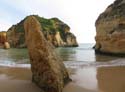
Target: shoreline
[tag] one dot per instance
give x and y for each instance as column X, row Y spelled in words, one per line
column 85, row 79
column 15, row 79
column 19, row 79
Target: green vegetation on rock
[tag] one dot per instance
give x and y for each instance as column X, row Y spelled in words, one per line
column 50, row 28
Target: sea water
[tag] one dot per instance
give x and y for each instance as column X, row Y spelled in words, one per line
column 84, row 55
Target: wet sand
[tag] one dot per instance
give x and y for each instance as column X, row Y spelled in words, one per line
column 87, row 79
column 16, row 80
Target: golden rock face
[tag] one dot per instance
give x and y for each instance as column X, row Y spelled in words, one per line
column 6, row 45
column 3, row 37
column 110, row 29
column 48, row 71
column 3, row 41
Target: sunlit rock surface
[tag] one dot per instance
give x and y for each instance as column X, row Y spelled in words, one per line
column 110, row 29
column 3, row 37
column 3, row 40
column 6, row 45
column 48, row 71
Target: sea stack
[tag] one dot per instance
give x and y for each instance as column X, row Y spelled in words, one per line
column 3, row 40
column 48, row 71
column 110, row 29
column 54, row 30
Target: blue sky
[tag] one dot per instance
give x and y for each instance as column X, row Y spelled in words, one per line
column 80, row 15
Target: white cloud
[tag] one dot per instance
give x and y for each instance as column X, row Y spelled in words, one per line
column 4, row 25
column 80, row 15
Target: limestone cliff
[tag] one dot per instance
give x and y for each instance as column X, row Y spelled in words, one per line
column 54, row 30
column 48, row 71
column 110, row 29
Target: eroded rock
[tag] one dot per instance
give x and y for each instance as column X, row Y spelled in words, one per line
column 6, row 45
column 48, row 71
column 110, row 29
column 54, row 30
column 3, row 37
column 3, row 40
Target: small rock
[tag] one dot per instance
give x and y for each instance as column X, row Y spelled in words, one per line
column 6, row 45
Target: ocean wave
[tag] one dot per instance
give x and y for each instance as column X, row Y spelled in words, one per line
column 16, row 65
column 75, row 64
column 82, row 64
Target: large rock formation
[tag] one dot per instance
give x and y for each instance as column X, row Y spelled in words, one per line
column 110, row 28
column 54, row 30
column 48, row 71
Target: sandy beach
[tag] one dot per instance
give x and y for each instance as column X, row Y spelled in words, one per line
column 87, row 79
column 16, row 80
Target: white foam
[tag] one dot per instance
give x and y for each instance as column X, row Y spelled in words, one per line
column 76, row 64
column 16, row 65
column 81, row 64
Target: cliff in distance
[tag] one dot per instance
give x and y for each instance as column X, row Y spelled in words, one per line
column 54, row 30
column 110, row 29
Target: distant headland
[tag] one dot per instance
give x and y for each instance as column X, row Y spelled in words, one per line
column 55, row 31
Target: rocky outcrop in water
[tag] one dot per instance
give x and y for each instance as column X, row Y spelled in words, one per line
column 6, row 45
column 48, row 71
column 3, row 40
column 3, row 37
column 110, row 29
column 54, row 30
